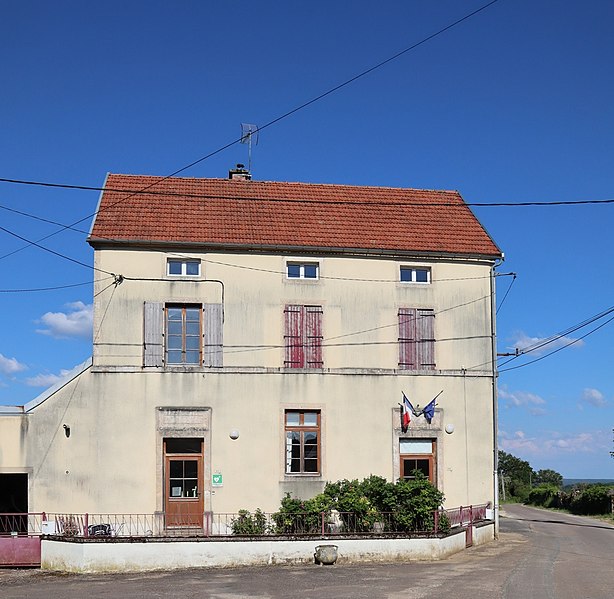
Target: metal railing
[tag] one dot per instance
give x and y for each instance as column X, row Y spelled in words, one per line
column 244, row 524
column 28, row 524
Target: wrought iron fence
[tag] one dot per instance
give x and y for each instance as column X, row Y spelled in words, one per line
column 248, row 524
column 29, row 524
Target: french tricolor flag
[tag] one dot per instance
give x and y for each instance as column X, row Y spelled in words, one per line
column 406, row 410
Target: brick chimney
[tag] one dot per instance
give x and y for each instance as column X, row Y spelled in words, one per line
column 240, row 173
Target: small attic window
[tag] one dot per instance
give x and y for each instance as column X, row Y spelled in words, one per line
column 183, row 268
column 415, row 274
column 302, row 270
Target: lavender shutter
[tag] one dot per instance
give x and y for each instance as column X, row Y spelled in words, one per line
column 293, row 337
column 425, row 346
column 213, row 350
column 313, row 337
column 407, row 338
column 153, row 340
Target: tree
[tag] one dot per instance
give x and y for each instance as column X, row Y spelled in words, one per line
column 548, row 477
column 516, row 475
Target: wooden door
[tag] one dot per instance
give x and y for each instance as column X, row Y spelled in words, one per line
column 183, row 483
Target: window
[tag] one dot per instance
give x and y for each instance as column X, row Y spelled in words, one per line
column 182, row 334
column 413, row 274
column 302, row 442
column 302, row 270
column 303, row 336
column 183, row 268
column 416, row 339
column 417, row 454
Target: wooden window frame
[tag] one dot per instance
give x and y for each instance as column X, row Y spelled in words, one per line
column 302, row 428
column 430, row 457
column 184, row 335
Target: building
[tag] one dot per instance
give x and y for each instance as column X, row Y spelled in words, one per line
column 254, row 338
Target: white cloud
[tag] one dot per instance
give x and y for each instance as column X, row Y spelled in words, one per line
column 594, row 397
column 75, row 322
column 523, row 399
column 521, row 341
column 553, row 443
column 10, row 365
column 46, row 380
column 518, row 442
column 49, row 379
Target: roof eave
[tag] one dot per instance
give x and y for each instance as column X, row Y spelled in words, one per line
column 105, row 243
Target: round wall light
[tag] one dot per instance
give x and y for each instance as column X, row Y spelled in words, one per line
column 234, row 434
column 449, row 429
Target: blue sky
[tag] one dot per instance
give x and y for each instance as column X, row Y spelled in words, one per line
column 513, row 105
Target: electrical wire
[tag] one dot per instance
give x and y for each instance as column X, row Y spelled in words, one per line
column 572, row 342
column 59, row 254
column 548, row 340
column 35, row 289
column 507, row 292
column 288, row 113
column 209, row 196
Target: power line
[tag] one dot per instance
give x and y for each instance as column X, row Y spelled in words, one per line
column 548, row 340
column 59, row 254
column 294, row 110
column 560, row 348
column 209, row 196
column 36, row 289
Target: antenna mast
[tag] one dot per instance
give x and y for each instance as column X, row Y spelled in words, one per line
column 249, row 135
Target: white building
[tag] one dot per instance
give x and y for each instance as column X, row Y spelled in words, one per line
column 254, row 338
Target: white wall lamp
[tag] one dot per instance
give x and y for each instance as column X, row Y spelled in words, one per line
column 234, row 434
column 449, row 428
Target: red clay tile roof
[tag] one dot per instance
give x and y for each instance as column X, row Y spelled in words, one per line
column 270, row 214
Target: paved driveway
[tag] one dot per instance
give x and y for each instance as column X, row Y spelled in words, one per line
column 540, row 555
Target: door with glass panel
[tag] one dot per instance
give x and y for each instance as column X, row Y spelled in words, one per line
column 183, row 482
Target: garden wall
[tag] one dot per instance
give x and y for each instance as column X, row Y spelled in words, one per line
column 98, row 556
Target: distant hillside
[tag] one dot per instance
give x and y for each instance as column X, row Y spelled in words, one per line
column 590, row 481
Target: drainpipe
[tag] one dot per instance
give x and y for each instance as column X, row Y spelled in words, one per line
column 495, row 405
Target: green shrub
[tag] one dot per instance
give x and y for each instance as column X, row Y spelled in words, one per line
column 416, row 500
column 249, row 524
column 594, row 499
column 546, row 495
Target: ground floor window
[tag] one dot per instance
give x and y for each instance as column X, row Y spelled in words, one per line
column 417, row 454
column 302, row 428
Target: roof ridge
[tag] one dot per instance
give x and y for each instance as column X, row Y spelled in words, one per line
column 272, row 182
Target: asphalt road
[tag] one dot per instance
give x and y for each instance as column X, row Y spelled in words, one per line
column 539, row 555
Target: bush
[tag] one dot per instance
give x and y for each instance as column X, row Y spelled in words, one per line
column 360, row 506
column 545, row 495
column 594, row 499
column 416, row 500
column 249, row 524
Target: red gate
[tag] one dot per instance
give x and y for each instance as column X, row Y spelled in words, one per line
column 20, row 541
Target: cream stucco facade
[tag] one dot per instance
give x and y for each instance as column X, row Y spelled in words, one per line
column 120, row 411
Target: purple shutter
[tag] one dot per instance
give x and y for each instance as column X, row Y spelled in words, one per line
column 153, row 327
column 313, row 337
column 213, row 351
column 425, row 337
column 293, row 337
column 407, row 338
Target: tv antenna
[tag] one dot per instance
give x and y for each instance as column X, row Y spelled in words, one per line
column 249, row 136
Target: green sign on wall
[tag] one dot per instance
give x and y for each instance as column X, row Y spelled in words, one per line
column 217, row 480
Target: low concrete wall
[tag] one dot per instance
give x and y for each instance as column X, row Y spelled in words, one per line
column 70, row 556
